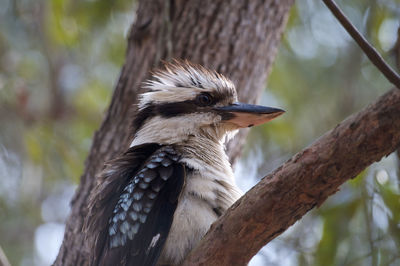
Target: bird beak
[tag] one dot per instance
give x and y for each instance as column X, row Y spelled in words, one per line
column 248, row 115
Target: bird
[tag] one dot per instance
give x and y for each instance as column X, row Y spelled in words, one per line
column 153, row 203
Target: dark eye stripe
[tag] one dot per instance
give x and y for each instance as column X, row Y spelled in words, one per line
column 164, row 110
column 172, row 109
column 175, row 109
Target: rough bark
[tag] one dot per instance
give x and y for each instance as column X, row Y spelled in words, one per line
column 237, row 38
column 303, row 182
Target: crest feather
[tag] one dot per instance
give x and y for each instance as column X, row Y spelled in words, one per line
column 172, row 80
column 184, row 74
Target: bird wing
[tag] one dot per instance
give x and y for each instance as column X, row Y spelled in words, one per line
column 142, row 210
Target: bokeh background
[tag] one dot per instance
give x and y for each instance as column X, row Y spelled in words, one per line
column 60, row 60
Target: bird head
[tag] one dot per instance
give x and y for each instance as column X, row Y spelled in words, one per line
column 187, row 100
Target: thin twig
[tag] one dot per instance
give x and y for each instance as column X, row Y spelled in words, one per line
column 368, row 49
column 3, row 259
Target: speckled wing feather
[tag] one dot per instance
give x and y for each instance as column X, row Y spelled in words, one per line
column 142, row 211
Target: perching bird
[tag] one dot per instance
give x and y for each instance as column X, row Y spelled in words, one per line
column 155, row 202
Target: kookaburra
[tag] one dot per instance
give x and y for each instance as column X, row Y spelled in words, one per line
column 155, row 202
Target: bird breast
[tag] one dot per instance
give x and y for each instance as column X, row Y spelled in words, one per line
column 209, row 190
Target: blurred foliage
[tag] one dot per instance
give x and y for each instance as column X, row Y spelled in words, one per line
column 320, row 77
column 60, row 59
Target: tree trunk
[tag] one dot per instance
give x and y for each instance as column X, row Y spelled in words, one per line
column 236, row 38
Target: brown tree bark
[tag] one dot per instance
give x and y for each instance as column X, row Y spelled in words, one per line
column 236, row 38
column 303, row 182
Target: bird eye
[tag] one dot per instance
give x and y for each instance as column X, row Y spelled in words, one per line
column 204, row 99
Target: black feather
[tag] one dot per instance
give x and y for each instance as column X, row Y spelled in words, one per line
column 132, row 205
column 103, row 197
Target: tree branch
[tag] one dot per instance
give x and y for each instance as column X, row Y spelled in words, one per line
column 303, row 182
column 368, row 49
